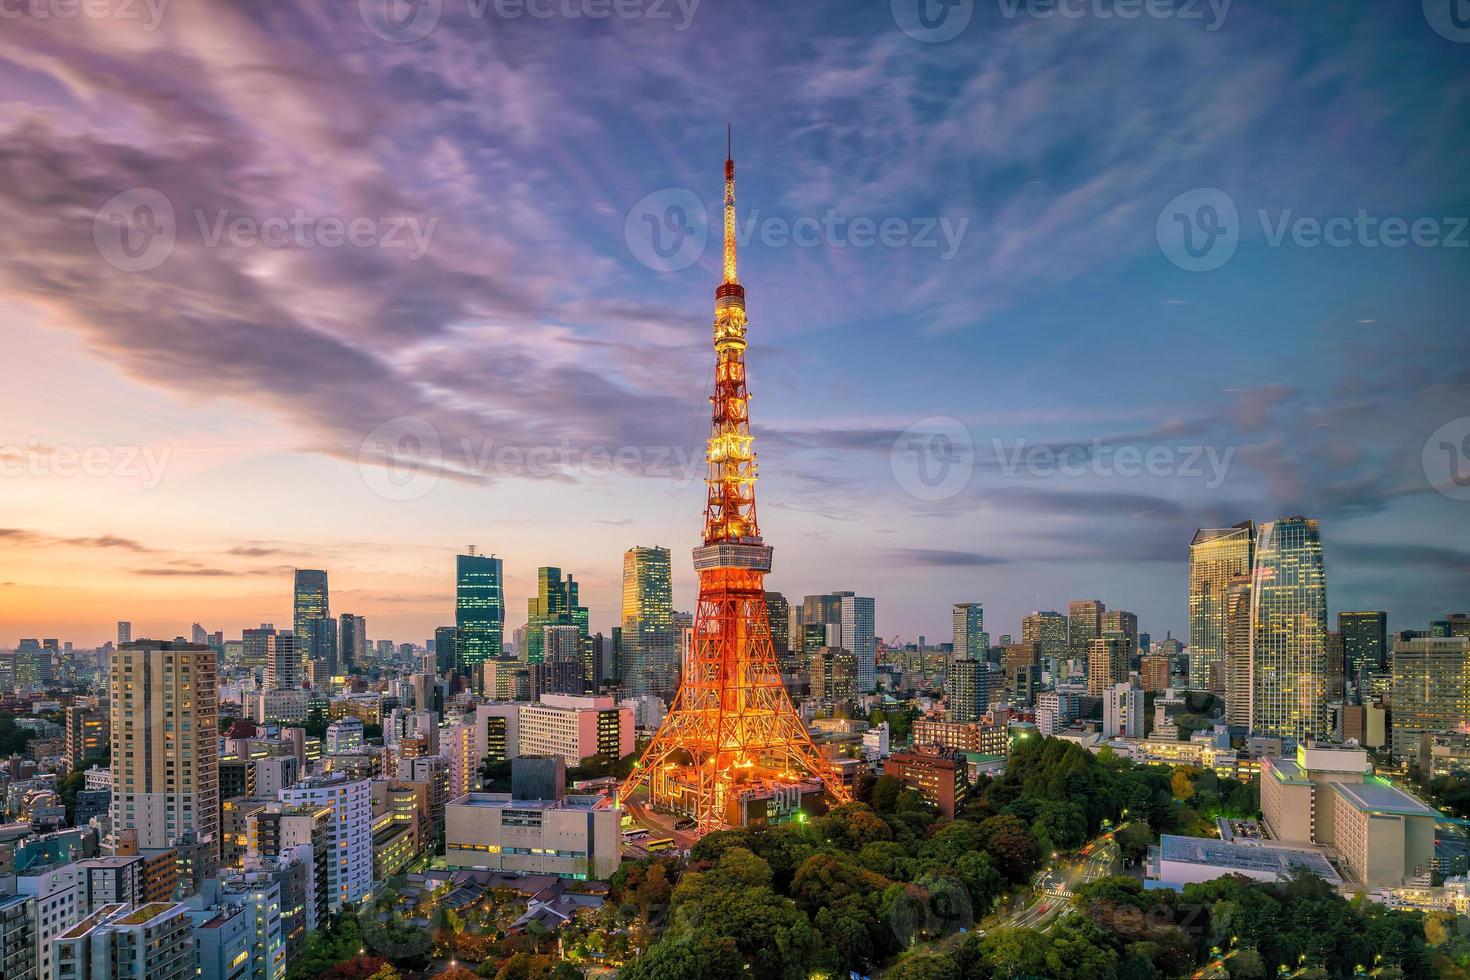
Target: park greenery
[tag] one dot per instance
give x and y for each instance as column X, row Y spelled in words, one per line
column 885, row 886
column 881, row 880
column 13, row 738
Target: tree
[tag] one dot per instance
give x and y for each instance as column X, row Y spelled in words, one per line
column 521, row 966
column 1010, row 845
column 852, row 825
column 1181, row 785
column 359, row 968
column 1247, row 965
column 1007, row 952
column 1061, row 822
column 924, row 966
column 1134, row 839
column 693, row 958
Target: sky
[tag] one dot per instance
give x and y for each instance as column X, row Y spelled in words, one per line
column 1034, row 293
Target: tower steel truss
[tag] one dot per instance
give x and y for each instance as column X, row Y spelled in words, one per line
column 732, row 726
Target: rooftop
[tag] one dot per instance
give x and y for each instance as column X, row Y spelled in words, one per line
column 144, row 913
column 1377, row 796
column 505, row 801
column 1287, row 771
column 1251, row 857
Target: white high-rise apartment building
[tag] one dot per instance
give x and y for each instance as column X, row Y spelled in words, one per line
column 859, row 634
column 349, row 832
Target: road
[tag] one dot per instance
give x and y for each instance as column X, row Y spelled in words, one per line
column 658, row 825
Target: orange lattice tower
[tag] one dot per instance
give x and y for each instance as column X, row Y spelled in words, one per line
column 732, row 727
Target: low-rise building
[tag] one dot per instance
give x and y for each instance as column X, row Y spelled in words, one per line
column 571, row 837
column 575, row 727
column 937, row 775
column 982, row 737
column 1383, row 835
column 1179, row 861
column 153, row 941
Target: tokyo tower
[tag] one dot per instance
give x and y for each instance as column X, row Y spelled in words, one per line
column 732, row 747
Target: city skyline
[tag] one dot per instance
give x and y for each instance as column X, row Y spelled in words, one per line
column 1316, row 377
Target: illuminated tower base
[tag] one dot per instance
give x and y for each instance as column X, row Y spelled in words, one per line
column 732, row 734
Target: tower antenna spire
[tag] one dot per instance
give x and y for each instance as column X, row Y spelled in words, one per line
column 730, row 276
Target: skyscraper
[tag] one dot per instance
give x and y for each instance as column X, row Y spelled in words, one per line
column 833, row 680
column 1084, row 624
column 165, row 744
column 1126, row 623
column 283, row 665
column 318, row 647
column 1289, row 631
column 446, row 651
column 649, row 641
column 1216, row 556
column 1431, row 689
column 778, row 611
column 1048, row 630
column 859, row 634
column 255, row 646
column 1364, row 643
column 351, row 641
column 563, row 657
column 479, row 613
column 311, row 600
column 966, row 689
column 555, row 603
column 124, row 632
column 1107, row 662
column 970, row 638
column 1237, row 663
column 314, row 642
